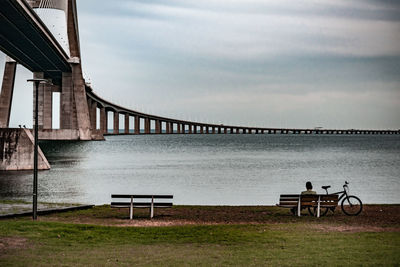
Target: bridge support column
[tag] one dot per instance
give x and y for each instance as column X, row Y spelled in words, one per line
column 158, row 126
column 82, row 110
column 195, row 129
column 190, row 128
column 137, row 124
column 116, row 123
column 103, row 120
column 7, row 89
column 178, row 128
column 67, row 110
column 146, row 125
column 168, row 127
column 45, row 103
column 93, row 113
column 202, row 129
column 126, row 130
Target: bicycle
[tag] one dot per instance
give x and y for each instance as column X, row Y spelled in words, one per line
column 351, row 205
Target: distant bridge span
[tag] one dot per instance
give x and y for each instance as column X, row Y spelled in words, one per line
column 176, row 126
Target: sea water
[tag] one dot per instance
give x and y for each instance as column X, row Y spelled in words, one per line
column 225, row 169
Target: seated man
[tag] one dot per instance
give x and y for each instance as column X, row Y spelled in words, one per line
column 308, row 192
column 309, row 189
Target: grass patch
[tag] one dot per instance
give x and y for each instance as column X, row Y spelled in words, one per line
column 74, row 244
column 292, row 242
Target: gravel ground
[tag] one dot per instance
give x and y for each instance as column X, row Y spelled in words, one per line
column 373, row 218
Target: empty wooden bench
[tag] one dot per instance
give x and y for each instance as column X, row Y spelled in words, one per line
column 299, row 202
column 136, row 201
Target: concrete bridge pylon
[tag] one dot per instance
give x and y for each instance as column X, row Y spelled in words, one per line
column 60, row 17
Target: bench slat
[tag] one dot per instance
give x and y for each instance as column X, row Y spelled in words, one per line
column 141, row 196
column 141, row 204
column 288, row 203
column 288, row 198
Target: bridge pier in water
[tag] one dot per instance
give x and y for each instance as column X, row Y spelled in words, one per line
column 116, row 123
column 7, row 90
column 126, row 123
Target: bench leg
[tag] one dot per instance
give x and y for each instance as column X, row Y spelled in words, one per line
column 319, row 207
column 131, row 209
column 152, row 208
column 299, row 207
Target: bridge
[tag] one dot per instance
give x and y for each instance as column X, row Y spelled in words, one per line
column 50, row 48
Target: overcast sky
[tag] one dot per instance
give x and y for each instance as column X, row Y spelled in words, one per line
column 285, row 63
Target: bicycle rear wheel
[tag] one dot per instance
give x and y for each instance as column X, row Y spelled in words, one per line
column 351, row 206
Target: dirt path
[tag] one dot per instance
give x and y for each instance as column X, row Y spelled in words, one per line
column 373, row 218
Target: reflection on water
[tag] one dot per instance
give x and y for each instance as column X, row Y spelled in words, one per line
column 213, row 169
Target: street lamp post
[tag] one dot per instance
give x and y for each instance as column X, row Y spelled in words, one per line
column 35, row 155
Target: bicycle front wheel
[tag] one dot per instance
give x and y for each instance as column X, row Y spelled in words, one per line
column 352, row 206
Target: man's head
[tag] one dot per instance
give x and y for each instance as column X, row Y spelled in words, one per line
column 308, row 185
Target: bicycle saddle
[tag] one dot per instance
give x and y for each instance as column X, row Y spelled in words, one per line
column 325, row 187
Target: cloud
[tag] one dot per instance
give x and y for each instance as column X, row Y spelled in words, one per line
column 224, row 58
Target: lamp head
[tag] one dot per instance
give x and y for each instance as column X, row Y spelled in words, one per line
column 39, row 81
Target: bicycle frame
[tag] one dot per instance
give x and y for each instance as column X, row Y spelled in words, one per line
column 342, row 194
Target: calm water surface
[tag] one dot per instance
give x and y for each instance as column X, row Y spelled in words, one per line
column 213, row 169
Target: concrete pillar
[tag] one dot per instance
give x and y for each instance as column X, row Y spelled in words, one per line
column 178, row 128
column 190, row 128
column 81, row 107
column 195, row 129
column 126, row 123
column 103, row 120
column 212, row 129
column 146, row 125
column 219, row 130
column 168, row 127
column 47, row 106
column 45, row 103
column 93, row 113
column 18, row 151
column 183, row 128
column 137, row 124
column 158, row 126
column 7, row 89
column 116, row 123
column 67, row 119
column 201, row 129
